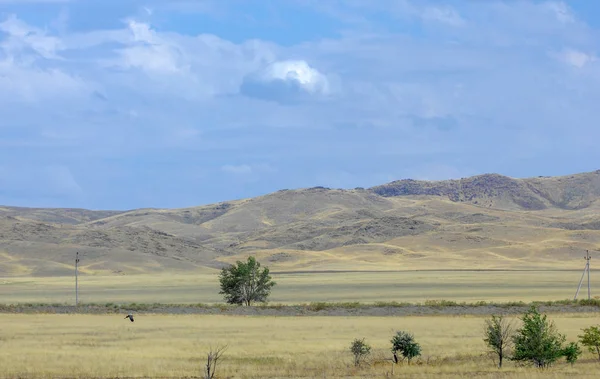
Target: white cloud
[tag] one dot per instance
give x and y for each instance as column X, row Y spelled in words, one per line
column 286, row 81
column 298, row 72
column 561, row 11
column 195, row 68
column 151, row 53
column 21, row 76
column 445, row 15
column 32, row 85
column 22, row 36
column 577, row 58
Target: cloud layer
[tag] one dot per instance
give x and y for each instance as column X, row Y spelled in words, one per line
column 183, row 103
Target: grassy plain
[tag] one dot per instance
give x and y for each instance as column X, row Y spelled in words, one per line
column 294, row 288
column 51, row 346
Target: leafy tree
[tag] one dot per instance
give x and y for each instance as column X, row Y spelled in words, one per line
column 404, row 343
column 591, row 339
column 245, row 283
column 571, row 352
column 537, row 341
column 498, row 332
column 360, row 349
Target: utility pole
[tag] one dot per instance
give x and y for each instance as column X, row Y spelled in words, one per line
column 587, row 258
column 76, row 278
column 585, row 269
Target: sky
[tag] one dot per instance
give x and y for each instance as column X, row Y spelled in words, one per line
column 123, row 104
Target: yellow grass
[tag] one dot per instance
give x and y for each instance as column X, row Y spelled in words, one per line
column 366, row 287
column 54, row 346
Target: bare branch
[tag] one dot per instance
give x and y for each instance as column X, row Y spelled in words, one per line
column 213, row 357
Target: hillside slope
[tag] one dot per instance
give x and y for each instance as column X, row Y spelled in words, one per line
column 486, row 221
column 492, row 190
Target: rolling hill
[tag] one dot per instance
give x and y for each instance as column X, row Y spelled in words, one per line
column 480, row 222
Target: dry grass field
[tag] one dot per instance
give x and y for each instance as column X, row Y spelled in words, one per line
column 58, row 346
column 293, row 288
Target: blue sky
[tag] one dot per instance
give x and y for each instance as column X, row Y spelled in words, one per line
column 121, row 104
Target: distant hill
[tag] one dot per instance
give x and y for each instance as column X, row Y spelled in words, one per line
column 485, row 221
column 492, row 190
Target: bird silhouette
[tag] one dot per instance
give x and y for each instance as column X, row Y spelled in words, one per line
column 129, row 316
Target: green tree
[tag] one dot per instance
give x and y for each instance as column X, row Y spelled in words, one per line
column 498, row 333
column 537, row 341
column 591, row 339
column 245, row 283
column 571, row 352
column 404, row 343
column 360, row 350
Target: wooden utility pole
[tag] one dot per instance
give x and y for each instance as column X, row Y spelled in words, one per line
column 76, row 278
column 585, row 269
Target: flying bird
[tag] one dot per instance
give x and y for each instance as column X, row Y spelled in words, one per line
column 129, row 316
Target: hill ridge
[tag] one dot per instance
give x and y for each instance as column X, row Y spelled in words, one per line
column 482, row 221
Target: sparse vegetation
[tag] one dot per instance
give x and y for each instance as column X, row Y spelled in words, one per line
column 259, row 347
column 498, row 336
column 245, row 283
column 326, row 308
column 360, row 351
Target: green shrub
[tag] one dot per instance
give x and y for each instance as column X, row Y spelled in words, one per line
column 360, row 350
column 538, row 341
column 405, row 344
column 591, row 339
column 571, row 352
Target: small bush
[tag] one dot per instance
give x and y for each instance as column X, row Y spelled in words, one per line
column 391, row 304
column 317, row 306
column 590, row 302
column 571, row 352
column 441, row 303
column 404, row 343
column 360, row 350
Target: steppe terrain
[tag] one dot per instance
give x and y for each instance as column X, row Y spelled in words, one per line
column 347, row 263
column 160, row 346
column 482, row 222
